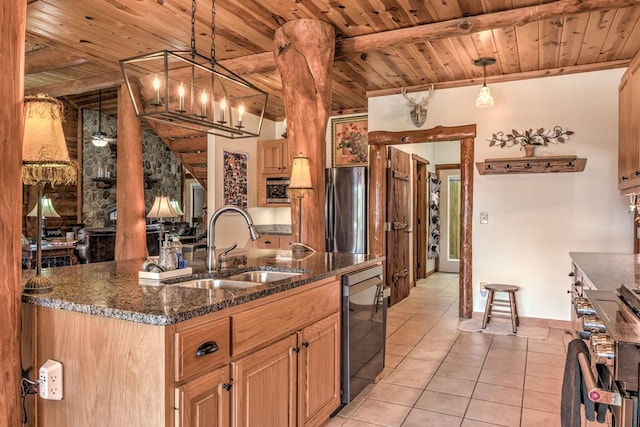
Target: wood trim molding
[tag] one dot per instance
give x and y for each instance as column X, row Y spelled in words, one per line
column 377, row 190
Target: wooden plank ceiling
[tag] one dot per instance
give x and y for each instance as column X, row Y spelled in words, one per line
column 73, row 46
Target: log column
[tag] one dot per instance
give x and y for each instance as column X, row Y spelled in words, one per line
column 304, row 52
column 12, row 33
column 131, row 226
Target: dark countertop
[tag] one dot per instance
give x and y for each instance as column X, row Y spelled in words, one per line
column 112, row 289
column 607, row 271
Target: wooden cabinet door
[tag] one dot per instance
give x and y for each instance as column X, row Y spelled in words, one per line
column 319, row 371
column 264, row 388
column 273, row 157
column 204, row 401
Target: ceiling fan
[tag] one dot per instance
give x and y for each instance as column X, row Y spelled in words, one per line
column 99, row 138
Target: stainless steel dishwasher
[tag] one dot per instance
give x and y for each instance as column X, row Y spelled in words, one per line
column 364, row 320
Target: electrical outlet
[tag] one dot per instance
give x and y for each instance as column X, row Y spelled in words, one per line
column 50, row 384
column 484, row 217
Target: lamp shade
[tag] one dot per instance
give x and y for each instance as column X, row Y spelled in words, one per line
column 48, row 211
column 44, row 149
column 484, row 99
column 300, row 174
column 176, row 208
column 161, row 208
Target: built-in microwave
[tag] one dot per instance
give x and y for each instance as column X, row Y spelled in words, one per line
column 277, row 190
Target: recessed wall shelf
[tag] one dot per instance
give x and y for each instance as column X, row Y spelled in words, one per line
column 536, row 164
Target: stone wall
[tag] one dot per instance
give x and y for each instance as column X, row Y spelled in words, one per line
column 162, row 170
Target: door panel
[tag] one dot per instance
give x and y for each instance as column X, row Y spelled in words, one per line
column 264, row 390
column 319, row 371
column 398, row 194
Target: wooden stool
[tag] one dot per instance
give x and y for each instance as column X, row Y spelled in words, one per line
column 505, row 308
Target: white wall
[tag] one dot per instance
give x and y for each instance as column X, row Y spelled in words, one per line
column 232, row 228
column 535, row 220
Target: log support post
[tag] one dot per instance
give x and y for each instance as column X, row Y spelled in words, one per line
column 131, row 234
column 304, row 52
column 12, row 33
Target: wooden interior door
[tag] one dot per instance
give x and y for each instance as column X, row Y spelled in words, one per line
column 398, row 175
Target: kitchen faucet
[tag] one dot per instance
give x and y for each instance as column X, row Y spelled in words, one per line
column 212, row 261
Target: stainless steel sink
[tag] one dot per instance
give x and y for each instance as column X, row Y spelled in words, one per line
column 263, row 276
column 218, row 284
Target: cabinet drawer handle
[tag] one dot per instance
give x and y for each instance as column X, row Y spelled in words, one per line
column 207, row 348
column 305, row 344
column 267, row 242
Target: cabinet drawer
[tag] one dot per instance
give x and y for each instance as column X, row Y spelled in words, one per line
column 268, row 242
column 201, row 348
column 259, row 325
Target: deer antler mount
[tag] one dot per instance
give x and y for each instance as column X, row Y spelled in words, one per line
column 418, row 109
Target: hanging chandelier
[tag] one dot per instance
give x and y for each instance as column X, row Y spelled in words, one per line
column 187, row 89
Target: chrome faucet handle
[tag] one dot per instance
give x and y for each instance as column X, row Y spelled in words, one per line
column 222, row 258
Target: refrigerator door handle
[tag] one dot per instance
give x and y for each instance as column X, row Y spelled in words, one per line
column 329, row 196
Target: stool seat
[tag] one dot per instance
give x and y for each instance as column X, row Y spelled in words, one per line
column 501, row 288
column 509, row 307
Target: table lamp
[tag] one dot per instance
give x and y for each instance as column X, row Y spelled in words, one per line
column 48, row 211
column 299, row 186
column 161, row 209
column 45, row 159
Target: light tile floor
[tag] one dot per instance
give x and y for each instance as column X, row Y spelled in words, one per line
column 436, row 375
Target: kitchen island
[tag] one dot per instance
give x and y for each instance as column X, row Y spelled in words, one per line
column 168, row 355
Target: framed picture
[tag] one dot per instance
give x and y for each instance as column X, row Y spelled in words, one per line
column 349, row 141
column 235, row 182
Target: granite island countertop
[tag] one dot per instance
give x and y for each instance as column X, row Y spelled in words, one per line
column 112, row 289
column 607, row 271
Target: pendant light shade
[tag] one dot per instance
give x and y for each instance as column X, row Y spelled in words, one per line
column 484, row 99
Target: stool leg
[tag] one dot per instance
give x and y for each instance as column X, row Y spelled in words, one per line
column 514, row 313
column 487, row 309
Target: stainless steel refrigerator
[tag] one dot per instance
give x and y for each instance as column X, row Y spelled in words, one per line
column 346, row 210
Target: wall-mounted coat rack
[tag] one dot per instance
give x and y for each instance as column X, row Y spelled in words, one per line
column 542, row 164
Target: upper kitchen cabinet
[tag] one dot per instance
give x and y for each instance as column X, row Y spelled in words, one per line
column 629, row 130
column 273, row 157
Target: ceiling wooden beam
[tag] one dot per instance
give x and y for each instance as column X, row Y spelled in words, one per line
column 49, row 59
column 475, row 24
column 75, row 87
column 506, row 77
column 264, row 62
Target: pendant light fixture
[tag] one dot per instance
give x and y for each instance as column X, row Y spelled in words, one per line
column 484, row 99
column 99, row 138
column 187, row 89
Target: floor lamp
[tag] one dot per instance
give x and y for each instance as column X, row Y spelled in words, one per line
column 45, row 159
column 299, row 186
